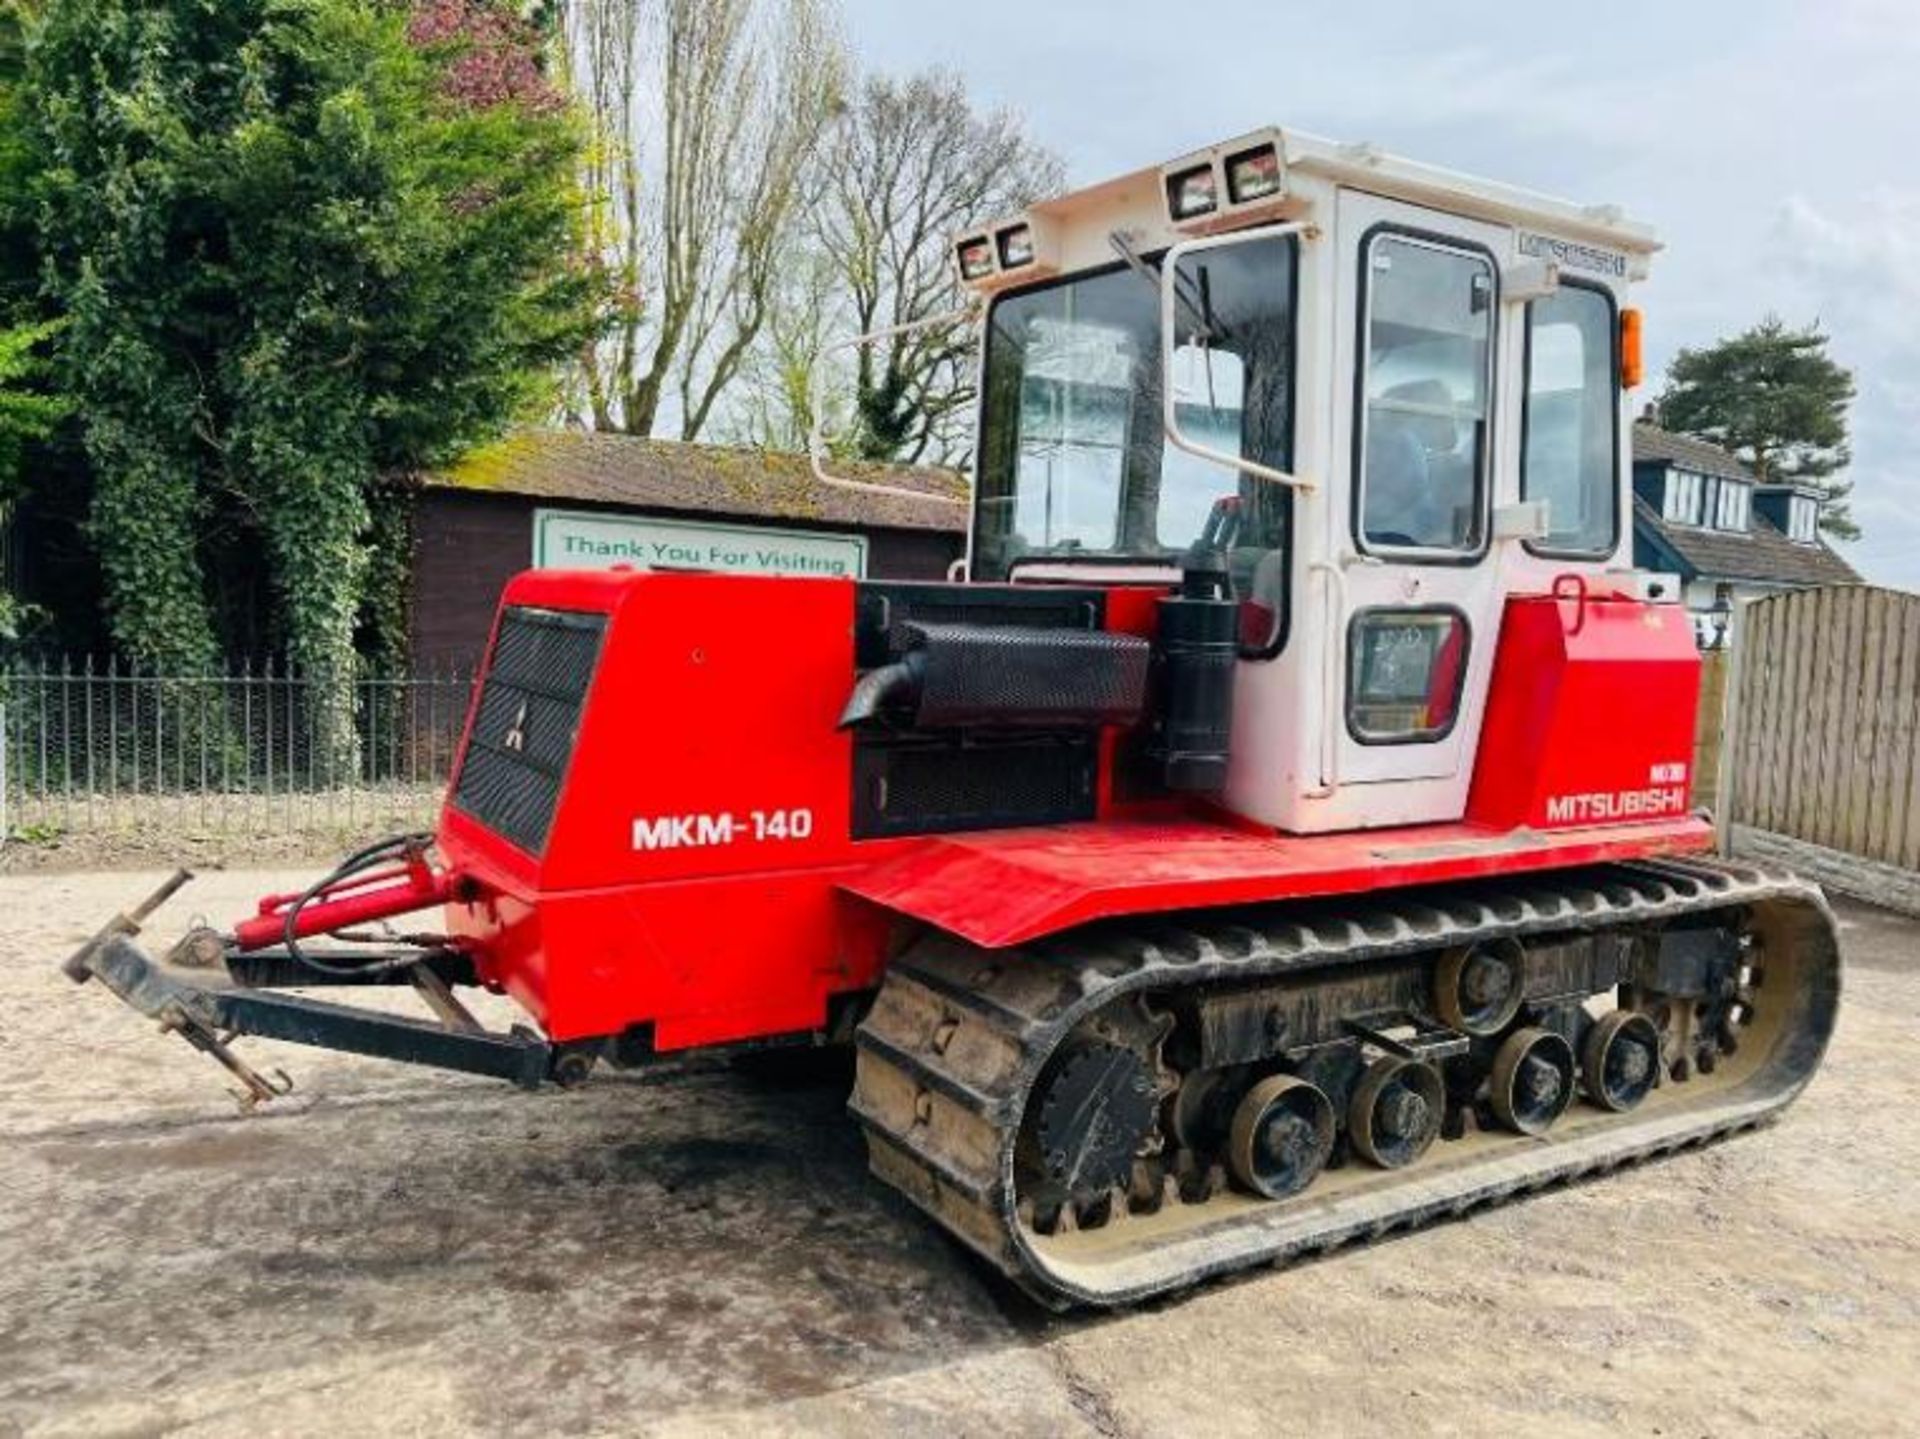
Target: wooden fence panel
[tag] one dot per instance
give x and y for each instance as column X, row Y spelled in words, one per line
column 1708, row 737
column 1776, row 657
column 1902, row 759
column 1830, row 702
column 1799, row 684
column 1759, row 751
column 1903, row 828
column 1825, row 716
column 1881, row 684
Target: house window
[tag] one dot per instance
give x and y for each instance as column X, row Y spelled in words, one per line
column 1572, row 419
column 1684, row 494
column 1427, row 399
column 1803, row 519
column 1733, row 502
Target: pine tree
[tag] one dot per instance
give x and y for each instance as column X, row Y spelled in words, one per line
column 1775, row 398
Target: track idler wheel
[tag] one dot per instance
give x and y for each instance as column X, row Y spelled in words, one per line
column 1477, row 988
column 1532, row 1080
column 1396, row 1111
column 1620, row 1060
column 1281, row 1137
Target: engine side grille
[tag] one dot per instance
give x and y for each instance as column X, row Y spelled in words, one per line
column 937, row 786
column 527, row 722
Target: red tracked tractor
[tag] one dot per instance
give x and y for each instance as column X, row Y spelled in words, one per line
column 1280, row 835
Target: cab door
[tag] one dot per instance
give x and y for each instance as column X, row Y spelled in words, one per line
column 1413, row 579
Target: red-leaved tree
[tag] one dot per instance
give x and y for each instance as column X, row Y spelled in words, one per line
column 495, row 54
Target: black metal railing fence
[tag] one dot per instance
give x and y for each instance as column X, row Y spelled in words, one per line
column 90, row 746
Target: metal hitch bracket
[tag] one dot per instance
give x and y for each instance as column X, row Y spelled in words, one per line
column 211, row 1019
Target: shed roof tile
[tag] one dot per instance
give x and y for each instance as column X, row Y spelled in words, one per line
column 593, row 468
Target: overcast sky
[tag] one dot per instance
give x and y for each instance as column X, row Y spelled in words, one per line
column 1775, row 144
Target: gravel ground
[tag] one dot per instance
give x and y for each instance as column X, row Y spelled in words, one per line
column 143, row 832
column 700, row 1251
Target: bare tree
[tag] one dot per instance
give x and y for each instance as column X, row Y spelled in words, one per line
column 602, row 54
column 768, row 173
column 772, row 404
column 912, row 164
column 723, row 101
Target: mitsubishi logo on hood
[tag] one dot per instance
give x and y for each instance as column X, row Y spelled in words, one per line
column 516, row 739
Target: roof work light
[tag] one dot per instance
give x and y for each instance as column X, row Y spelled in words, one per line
column 1226, row 184
column 1016, row 250
column 1193, row 192
column 975, row 254
column 1253, row 174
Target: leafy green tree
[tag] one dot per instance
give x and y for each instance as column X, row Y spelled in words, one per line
column 1773, row 396
column 301, row 245
column 27, row 412
column 18, row 280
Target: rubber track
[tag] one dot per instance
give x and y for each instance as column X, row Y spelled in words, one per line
column 958, row 1036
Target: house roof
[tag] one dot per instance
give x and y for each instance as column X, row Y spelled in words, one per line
column 579, row 467
column 1653, row 445
column 1761, row 554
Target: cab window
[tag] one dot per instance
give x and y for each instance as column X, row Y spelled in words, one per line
column 1571, row 457
column 1426, row 399
column 1074, row 464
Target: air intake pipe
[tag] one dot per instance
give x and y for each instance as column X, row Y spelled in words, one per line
column 950, row 677
column 891, row 686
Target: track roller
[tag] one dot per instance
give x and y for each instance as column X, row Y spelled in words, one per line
column 1620, row 1060
column 1532, row 1080
column 1282, row 1136
column 1477, row 987
column 1396, row 1111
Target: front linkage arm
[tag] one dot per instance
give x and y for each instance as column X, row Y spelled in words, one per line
column 211, row 1019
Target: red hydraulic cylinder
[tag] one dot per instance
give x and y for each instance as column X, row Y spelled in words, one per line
column 362, row 899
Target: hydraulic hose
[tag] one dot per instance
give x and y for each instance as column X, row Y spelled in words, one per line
column 356, row 863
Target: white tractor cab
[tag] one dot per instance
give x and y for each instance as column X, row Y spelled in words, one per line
column 1407, row 386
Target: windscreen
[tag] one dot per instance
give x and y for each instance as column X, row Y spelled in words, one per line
column 1074, row 464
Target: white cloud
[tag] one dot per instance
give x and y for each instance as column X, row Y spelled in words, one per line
column 1857, row 270
column 1876, row 22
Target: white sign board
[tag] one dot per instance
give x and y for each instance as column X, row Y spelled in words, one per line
column 578, row 540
